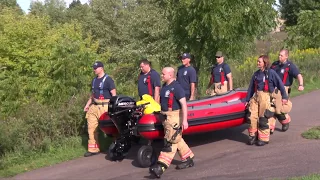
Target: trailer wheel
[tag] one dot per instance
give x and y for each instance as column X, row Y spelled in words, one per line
column 146, row 156
column 112, row 153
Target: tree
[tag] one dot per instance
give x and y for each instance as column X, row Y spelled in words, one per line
column 10, row 4
column 290, row 9
column 42, row 63
column 55, row 9
column 305, row 34
column 203, row 27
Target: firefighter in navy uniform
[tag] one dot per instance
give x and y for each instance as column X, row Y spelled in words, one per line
column 260, row 102
column 220, row 76
column 287, row 71
column 174, row 120
column 149, row 81
column 187, row 76
column 102, row 89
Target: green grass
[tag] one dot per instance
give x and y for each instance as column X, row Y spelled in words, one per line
column 308, row 177
column 16, row 162
column 313, row 133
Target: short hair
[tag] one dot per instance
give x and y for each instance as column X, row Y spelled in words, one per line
column 145, row 61
column 266, row 60
column 286, row 51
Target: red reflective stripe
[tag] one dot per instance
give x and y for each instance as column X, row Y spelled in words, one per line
column 285, row 75
column 170, row 101
column 263, row 135
column 222, row 77
column 149, row 85
column 165, row 158
column 93, row 146
column 252, row 130
column 266, row 85
column 187, row 154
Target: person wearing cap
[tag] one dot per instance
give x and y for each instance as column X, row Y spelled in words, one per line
column 103, row 88
column 149, row 81
column 221, row 76
column 187, row 76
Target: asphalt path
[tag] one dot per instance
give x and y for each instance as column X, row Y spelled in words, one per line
column 219, row 155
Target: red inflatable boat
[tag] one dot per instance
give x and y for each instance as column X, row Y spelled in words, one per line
column 126, row 121
column 207, row 114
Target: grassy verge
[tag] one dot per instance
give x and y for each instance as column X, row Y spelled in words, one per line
column 313, row 133
column 16, row 162
column 308, row 177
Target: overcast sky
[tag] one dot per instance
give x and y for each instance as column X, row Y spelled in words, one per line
column 25, row 4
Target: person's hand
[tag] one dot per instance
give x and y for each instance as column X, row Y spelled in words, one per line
column 208, row 91
column 284, row 101
column 86, row 108
column 185, row 125
column 300, row 88
column 191, row 98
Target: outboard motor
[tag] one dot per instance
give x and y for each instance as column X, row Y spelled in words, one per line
column 123, row 113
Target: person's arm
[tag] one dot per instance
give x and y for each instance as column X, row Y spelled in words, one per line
column 113, row 92
column 294, row 71
column 210, row 82
column 157, row 94
column 86, row 108
column 157, row 85
column 250, row 90
column 184, row 109
column 300, row 80
column 229, row 76
column 193, row 87
column 193, row 80
column 227, row 70
column 111, row 86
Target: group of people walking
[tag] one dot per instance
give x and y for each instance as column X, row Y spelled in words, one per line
column 267, row 100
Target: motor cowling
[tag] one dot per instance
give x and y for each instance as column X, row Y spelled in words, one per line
column 120, row 111
column 118, row 103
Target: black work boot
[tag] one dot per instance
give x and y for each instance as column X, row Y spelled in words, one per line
column 252, row 140
column 285, row 127
column 157, row 169
column 185, row 164
column 262, row 143
column 87, row 154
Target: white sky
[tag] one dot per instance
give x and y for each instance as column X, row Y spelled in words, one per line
column 25, row 4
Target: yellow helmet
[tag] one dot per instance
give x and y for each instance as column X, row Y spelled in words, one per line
column 150, row 108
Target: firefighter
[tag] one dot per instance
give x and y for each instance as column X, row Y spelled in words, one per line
column 174, row 120
column 287, row 71
column 220, row 76
column 187, row 76
column 260, row 103
column 102, row 89
column 149, row 81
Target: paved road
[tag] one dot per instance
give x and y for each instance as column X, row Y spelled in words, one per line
column 219, row 155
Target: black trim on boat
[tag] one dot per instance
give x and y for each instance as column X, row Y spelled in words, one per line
column 106, row 123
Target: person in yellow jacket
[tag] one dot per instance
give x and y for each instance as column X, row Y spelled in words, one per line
column 103, row 89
